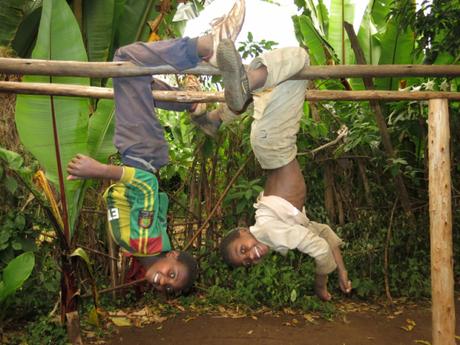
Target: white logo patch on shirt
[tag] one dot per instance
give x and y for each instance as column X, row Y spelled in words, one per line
column 112, row 214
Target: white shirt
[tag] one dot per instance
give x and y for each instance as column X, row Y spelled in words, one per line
column 281, row 226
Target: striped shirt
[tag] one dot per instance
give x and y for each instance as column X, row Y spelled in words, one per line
column 137, row 213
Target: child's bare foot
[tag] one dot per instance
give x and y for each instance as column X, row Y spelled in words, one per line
column 321, row 287
column 82, row 166
column 344, row 282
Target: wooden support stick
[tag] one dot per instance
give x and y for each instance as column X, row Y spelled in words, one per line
column 442, row 278
column 211, row 97
column 126, row 69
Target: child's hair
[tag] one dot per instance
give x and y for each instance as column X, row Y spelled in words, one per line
column 231, row 236
column 191, row 266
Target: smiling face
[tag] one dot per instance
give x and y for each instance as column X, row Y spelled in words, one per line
column 167, row 274
column 245, row 250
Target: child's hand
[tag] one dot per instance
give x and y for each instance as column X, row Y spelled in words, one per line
column 344, row 282
column 82, row 166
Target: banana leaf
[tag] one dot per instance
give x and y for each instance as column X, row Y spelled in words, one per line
column 59, row 38
column 26, row 35
column 98, row 16
column 309, row 36
column 101, row 129
column 132, row 25
column 368, row 43
column 12, row 13
column 379, row 13
column 341, row 11
column 397, row 48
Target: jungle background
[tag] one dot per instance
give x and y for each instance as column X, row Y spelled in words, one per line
column 372, row 188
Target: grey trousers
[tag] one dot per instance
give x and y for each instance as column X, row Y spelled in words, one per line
column 139, row 135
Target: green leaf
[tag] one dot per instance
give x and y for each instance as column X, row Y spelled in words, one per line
column 80, row 253
column 27, row 32
column 59, row 38
column 101, row 130
column 11, row 184
column 98, row 28
column 307, row 34
column 133, row 17
column 293, row 295
column 12, row 159
column 397, row 47
column 16, row 273
column 341, row 11
column 12, row 13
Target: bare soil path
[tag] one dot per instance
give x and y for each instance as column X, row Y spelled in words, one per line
column 359, row 325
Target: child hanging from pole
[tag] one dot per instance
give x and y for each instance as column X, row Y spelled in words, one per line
column 136, row 209
column 280, row 220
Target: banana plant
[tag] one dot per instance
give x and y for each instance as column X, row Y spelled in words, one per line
column 54, row 129
column 13, row 14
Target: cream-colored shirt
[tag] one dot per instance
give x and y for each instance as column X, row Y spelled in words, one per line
column 281, row 226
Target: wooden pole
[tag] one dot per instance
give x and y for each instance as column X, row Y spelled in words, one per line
column 442, row 279
column 126, row 69
column 211, row 97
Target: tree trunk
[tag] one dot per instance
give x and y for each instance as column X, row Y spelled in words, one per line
column 380, row 119
column 329, row 193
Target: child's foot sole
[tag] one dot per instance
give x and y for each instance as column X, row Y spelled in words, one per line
column 237, row 93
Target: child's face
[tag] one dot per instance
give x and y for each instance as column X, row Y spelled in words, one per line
column 246, row 250
column 167, row 274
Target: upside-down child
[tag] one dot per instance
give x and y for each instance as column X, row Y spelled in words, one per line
column 280, row 220
column 136, row 209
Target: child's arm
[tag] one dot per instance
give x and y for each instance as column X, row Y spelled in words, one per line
column 81, row 167
column 344, row 282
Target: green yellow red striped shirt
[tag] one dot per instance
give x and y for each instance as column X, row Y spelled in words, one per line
column 137, row 213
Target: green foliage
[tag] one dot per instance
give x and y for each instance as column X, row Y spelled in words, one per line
column 244, row 193
column 251, row 48
column 15, row 274
column 59, row 38
column 46, row 331
column 277, row 282
column 11, row 16
column 436, row 25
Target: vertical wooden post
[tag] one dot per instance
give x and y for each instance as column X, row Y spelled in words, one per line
column 442, row 279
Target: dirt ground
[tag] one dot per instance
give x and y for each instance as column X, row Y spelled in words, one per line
column 359, row 325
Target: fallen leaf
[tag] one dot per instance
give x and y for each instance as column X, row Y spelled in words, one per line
column 309, row 318
column 250, row 332
column 423, row 342
column 189, row 318
column 89, row 334
column 181, row 308
column 121, row 321
column 254, row 317
column 410, row 324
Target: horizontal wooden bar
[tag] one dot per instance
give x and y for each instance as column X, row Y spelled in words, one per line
column 127, row 69
column 211, row 97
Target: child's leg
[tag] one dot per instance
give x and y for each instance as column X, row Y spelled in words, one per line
column 138, row 134
column 277, row 111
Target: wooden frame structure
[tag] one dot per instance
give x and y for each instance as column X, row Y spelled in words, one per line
column 440, row 204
